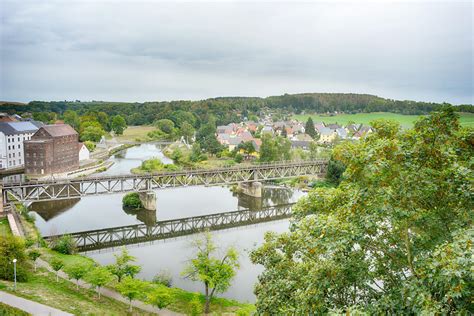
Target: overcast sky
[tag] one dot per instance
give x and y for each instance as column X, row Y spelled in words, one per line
column 154, row 50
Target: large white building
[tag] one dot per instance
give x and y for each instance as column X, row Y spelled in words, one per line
column 12, row 136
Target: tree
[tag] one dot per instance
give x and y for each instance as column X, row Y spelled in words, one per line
column 103, row 119
column 159, row 297
column 34, row 254
column 118, row 124
column 309, row 128
column 72, row 118
column 274, row 148
column 335, row 171
column 206, row 137
column 123, row 266
column 99, row 277
column 165, row 125
column 91, row 131
column 392, row 238
column 247, row 147
column 57, row 264
column 284, row 133
column 187, row 131
column 215, row 273
column 196, row 153
column 12, row 247
column 131, row 288
column 77, row 272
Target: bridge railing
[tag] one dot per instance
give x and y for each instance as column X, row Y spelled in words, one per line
column 247, row 167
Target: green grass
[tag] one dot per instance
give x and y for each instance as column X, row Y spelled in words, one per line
column 182, row 297
column 133, row 133
column 406, row 121
column 43, row 288
column 4, row 227
column 7, row 310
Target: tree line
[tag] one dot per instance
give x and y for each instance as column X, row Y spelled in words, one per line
column 229, row 109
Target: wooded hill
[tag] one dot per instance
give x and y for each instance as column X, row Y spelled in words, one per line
column 233, row 109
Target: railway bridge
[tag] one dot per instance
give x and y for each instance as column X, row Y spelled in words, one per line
column 249, row 178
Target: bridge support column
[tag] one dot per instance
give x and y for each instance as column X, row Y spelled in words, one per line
column 148, row 200
column 251, row 188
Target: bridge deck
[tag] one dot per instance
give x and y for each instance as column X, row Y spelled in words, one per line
column 79, row 187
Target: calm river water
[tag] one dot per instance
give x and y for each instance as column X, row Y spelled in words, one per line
column 97, row 212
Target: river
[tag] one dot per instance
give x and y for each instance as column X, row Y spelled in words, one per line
column 170, row 255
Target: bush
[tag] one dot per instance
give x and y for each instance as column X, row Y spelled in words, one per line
column 65, row 245
column 163, row 277
column 132, row 200
column 195, row 306
column 90, row 145
column 238, row 158
column 13, row 248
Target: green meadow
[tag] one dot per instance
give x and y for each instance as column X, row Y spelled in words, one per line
column 406, row 121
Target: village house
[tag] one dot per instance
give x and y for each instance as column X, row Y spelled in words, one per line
column 327, row 135
column 12, row 136
column 52, row 149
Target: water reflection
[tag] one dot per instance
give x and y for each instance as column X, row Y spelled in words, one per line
column 147, row 217
column 50, row 209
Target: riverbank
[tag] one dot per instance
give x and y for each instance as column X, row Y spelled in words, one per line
column 42, row 288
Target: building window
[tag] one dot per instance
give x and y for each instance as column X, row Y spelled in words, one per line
column 19, row 161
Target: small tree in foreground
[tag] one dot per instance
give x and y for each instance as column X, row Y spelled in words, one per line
column 99, row 277
column 123, row 266
column 159, row 297
column 34, row 255
column 77, row 272
column 57, row 264
column 131, row 289
column 215, row 273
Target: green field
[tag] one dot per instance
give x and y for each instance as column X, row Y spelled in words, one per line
column 406, row 121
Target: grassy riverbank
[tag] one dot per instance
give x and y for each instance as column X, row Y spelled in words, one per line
column 7, row 310
column 182, row 298
column 4, row 227
column 43, row 288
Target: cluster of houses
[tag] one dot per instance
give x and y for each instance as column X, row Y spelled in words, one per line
column 233, row 134
column 39, row 149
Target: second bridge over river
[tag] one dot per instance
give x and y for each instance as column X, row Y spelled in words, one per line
column 249, row 176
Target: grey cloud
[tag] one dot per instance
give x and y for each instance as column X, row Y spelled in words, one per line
column 137, row 51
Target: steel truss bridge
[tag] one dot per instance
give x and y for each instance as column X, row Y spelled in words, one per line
column 133, row 234
column 48, row 190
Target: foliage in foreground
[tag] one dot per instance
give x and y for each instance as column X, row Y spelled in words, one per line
column 395, row 237
column 216, row 273
column 13, row 248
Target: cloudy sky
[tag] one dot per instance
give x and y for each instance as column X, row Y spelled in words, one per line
column 155, row 50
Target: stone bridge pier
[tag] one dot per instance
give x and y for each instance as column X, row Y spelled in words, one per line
column 148, row 200
column 253, row 189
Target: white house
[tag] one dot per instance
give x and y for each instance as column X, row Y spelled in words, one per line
column 12, row 136
column 84, row 153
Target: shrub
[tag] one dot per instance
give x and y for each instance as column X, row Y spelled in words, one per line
column 163, row 277
column 238, row 158
column 65, row 245
column 90, row 145
column 13, row 248
column 195, row 306
column 132, row 200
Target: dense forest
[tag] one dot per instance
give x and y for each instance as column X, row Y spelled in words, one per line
column 233, row 109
